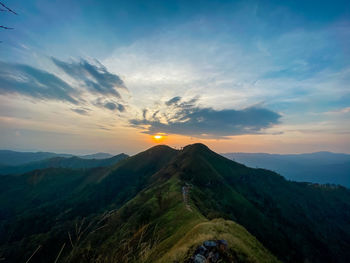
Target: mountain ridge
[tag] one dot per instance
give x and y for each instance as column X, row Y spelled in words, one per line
column 135, row 211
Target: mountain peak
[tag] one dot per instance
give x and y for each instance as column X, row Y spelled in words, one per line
column 160, row 148
column 196, row 147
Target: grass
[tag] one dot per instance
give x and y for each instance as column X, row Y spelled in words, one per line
column 172, row 232
column 243, row 247
column 147, row 219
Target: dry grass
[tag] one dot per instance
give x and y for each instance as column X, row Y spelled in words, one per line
column 36, row 250
column 243, row 247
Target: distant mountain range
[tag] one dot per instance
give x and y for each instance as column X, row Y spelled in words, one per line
column 318, row 167
column 12, row 158
column 62, row 162
column 137, row 211
column 96, row 156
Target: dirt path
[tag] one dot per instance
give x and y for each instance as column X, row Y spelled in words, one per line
column 185, row 193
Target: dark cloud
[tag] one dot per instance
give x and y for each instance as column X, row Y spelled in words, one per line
column 35, row 83
column 114, row 106
column 192, row 120
column 109, row 104
column 81, row 111
column 173, row 101
column 144, row 113
column 94, row 76
column 120, row 107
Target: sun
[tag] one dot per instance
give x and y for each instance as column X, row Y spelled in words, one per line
column 158, row 138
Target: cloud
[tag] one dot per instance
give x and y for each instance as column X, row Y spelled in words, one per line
column 43, row 85
column 81, row 111
column 94, row 76
column 35, row 83
column 173, row 101
column 109, row 104
column 114, row 106
column 185, row 118
column 345, row 110
column 285, row 70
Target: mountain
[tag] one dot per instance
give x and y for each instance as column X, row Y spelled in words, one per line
column 138, row 211
column 62, row 162
column 13, row 158
column 319, row 167
column 97, row 156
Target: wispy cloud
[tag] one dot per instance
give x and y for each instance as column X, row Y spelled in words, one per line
column 173, row 101
column 85, row 78
column 93, row 76
column 186, row 118
column 295, row 64
column 342, row 111
column 35, row 83
column 81, row 111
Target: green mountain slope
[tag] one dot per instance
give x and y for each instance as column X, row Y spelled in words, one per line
column 135, row 211
column 41, row 206
column 157, row 226
column 296, row 221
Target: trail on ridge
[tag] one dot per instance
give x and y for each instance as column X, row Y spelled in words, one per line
column 185, row 192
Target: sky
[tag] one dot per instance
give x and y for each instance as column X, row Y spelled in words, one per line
column 240, row 76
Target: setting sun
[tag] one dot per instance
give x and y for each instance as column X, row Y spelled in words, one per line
column 158, row 138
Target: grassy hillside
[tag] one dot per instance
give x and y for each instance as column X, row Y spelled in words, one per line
column 243, row 246
column 156, row 226
column 295, row 221
column 135, row 212
column 40, row 207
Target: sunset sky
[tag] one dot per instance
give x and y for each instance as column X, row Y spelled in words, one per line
column 240, row 76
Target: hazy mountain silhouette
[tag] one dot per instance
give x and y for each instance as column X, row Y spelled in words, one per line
column 318, row 167
column 62, row 162
column 97, row 156
column 12, row 158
